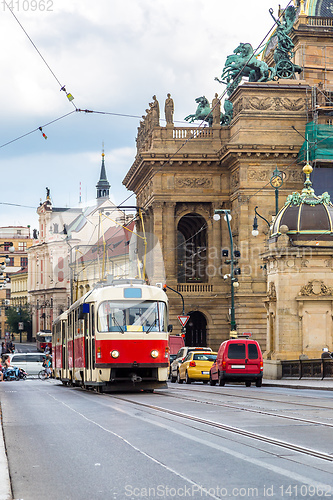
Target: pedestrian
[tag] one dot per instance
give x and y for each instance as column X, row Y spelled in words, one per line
column 48, row 364
column 3, row 348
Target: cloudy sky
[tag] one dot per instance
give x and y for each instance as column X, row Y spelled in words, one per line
column 113, row 56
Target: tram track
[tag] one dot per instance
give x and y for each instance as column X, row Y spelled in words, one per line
column 232, row 429
column 251, row 410
column 255, row 398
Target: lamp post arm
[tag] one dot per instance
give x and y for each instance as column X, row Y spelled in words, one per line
column 261, row 217
column 166, row 286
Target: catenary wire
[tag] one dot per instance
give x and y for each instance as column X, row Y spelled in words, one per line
column 62, row 87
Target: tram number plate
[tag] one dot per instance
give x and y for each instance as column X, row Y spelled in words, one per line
column 238, row 366
column 205, row 373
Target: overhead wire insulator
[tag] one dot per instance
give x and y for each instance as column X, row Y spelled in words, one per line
column 70, row 97
column 44, row 135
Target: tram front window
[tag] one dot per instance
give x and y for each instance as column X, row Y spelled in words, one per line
column 144, row 316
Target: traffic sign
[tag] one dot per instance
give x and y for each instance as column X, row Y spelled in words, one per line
column 183, row 319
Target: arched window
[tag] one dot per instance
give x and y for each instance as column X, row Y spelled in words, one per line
column 192, row 249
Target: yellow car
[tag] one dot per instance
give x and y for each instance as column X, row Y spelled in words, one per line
column 196, row 366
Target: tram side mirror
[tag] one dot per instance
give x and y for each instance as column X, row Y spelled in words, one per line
column 84, row 309
column 170, row 328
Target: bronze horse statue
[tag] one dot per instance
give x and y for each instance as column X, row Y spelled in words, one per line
column 243, row 62
column 203, row 111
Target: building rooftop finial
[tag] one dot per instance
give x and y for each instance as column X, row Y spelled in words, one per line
column 308, row 189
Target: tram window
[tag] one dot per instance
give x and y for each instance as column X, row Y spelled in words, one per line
column 92, row 321
column 144, row 316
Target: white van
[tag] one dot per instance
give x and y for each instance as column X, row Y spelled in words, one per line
column 31, row 362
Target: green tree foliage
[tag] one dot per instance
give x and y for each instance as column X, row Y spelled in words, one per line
column 15, row 315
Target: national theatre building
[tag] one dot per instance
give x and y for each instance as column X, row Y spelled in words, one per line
column 250, row 272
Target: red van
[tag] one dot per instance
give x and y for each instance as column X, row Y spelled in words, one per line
column 238, row 360
column 176, row 342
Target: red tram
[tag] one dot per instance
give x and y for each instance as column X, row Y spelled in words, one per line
column 44, row 339
column 114, row 338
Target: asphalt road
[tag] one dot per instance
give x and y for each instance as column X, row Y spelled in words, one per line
column 183, row 442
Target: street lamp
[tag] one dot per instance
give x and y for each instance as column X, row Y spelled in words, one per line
column 255, row 231
column 234, row 281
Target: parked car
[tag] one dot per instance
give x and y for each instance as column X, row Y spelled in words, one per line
column 238, row 360
column 31, row 362
column 172, row 357
column 196, row 366
column 180, row 358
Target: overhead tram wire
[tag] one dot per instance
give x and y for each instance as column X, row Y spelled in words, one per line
column 62, row 87
column 38, row 128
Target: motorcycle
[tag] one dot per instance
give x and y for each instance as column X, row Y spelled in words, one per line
column 11, row 373
column 22, row 374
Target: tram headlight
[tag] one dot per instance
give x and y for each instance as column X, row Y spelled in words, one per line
column 115, row 354
column 154, row 353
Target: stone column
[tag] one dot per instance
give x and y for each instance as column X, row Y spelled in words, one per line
column 155, row 246
column 169, row 241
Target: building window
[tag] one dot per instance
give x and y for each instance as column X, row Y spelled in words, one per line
column 22, row 246
column 6, row 245
column 24, row 261
column 11, row 261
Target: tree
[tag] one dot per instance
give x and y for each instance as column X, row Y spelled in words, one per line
column 16, row 315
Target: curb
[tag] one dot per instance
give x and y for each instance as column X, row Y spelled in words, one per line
column 298, row 386
column 5, row 486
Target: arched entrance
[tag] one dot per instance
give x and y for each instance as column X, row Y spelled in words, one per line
column 196, row 330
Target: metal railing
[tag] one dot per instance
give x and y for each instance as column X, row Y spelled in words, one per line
column 194, row 288
column 300, row 368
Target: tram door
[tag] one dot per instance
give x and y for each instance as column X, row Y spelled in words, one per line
column 64, row 359
column 90, row 344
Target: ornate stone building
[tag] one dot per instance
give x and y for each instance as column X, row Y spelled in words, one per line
column 300, row 278
column 65, row 236
column 181, row 175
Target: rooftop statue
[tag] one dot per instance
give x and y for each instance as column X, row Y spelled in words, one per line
column 244, row 62
column 241, row 63
column 169, row 110
column 226, row 117
column 284, row 68
column 203, row 111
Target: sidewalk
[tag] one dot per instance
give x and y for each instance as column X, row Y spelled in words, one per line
column 5, row 487
column 325, row 384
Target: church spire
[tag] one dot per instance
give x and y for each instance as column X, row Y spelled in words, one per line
column 103, row 186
